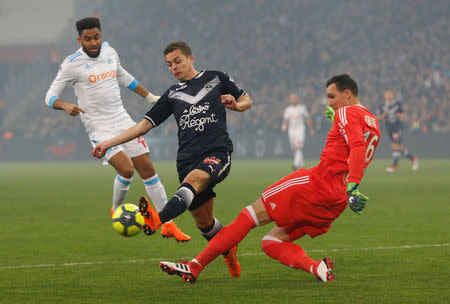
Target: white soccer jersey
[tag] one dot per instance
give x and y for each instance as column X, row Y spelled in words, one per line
column 296, row 116
column 96, row 84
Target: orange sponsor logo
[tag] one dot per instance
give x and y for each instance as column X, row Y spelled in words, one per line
column 101, row 76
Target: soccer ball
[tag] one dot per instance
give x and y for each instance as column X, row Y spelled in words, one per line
column 127, row 220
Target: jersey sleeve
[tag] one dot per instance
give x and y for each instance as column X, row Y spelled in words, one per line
column 305, row 112
column 125, row 78
column 228, row 86
column 350, row 125
column 62, row 79
column 160, row 111
column 286, row 114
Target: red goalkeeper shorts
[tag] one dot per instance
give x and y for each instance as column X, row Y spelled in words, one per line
column 295, row 206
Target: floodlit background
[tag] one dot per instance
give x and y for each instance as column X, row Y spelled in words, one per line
column 271, row 48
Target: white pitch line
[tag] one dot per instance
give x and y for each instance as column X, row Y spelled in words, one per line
column 243, row 254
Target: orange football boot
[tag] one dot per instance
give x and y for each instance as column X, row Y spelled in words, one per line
column 234, row 268
column 170, row 229
column 151, row 216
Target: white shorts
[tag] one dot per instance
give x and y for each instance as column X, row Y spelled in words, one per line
column 133, row 148
column 296, row 138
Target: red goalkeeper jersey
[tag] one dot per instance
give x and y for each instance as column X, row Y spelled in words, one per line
column 349, row 149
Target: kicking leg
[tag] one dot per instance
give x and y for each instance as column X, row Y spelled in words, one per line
column 157, row 194
column 196, row 181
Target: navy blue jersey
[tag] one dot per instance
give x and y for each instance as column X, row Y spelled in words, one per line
column 199, row 113
column 393, row 122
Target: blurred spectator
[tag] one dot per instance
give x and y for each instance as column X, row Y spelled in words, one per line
column 275, row 47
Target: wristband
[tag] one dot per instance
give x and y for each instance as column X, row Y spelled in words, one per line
column 152, row 98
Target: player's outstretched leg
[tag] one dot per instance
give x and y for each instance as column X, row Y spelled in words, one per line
column 188, row 271
column 170, row 229
column 157, row 194
column 226, row 240
column 151, row 216
column 292, row 255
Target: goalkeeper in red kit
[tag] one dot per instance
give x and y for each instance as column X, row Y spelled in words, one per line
column 306, row 201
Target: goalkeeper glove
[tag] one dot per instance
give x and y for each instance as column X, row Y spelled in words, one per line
column 152, row 98
column 356, row 200
column 329, row 113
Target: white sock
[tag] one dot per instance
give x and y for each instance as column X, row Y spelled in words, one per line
column 121, row 187
column 298, row 159
column 156, row 192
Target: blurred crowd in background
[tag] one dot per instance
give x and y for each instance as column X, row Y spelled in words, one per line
column 270, row 48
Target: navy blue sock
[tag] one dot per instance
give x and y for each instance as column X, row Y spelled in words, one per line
column 178, row 203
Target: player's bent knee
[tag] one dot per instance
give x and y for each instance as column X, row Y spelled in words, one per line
column 126, row 172
column 267, row 241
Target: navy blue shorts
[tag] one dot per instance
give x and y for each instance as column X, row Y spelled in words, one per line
column 398, row 139
column 216, row 164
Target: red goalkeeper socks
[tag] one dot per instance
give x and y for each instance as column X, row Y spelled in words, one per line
column 227, row 238
column 289, row 254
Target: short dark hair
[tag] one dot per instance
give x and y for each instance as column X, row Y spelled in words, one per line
column 343, row 82
column 178, row 45
column 87, row 23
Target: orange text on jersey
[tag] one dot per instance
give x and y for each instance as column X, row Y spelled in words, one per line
column 101, row 76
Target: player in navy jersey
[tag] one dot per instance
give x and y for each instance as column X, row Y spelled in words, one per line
column 198, row 102
column 392, row 114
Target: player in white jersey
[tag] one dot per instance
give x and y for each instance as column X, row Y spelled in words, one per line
column 95, row 72
column 294, row 119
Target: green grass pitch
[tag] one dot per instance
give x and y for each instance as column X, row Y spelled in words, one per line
column 57, row 244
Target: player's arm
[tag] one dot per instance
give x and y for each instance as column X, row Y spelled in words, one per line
column 383, row 114
column 140, row 90
column 127, row 80
column 351, row 126
column 62, row 79
column 242, row 104
column 285, row 122
column 70, row 108
column 309, row 122
column 284, row 125
column 155, row 116
column 310, row 125
column 232, row 96
column 133, row 132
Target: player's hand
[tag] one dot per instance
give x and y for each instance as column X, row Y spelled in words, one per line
column 152, row 98
column 356, row 200
column 99, row 150
column 329, row 113
column 72, row 109
column 229, row 102
column 395, row 136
